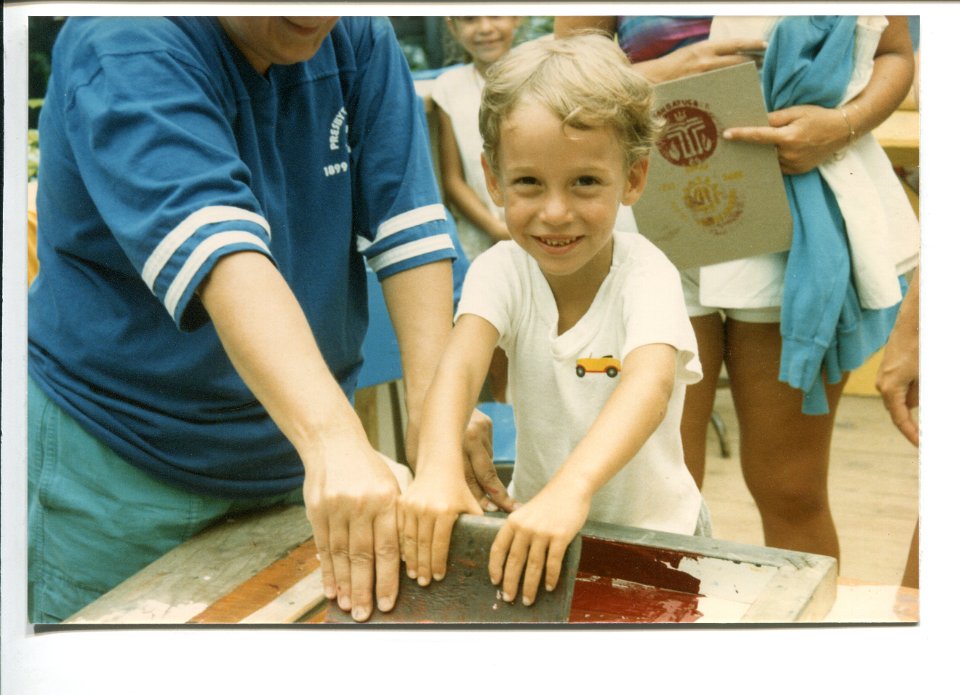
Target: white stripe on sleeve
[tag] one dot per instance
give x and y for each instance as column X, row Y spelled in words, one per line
column 406, row 220
column 183, row 231
column 420, row 247
column 197, row 258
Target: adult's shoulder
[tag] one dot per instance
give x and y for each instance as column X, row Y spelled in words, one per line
column 362, row 35
column 85, row 43
column 133, row 35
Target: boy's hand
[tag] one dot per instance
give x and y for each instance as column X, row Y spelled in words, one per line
column 535, row 537
column 426, row 513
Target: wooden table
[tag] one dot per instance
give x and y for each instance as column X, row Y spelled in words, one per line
column 687, row 579
column 899, row 136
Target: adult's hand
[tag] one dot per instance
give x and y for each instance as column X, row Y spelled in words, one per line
column 898, row 378
column 899, row 383
column 349, row 491
column 351, row 499
column 700, row 57
column 804, row 136
column 479, row 467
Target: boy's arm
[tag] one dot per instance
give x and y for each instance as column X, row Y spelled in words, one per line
column 455, row 186
column 537, row 535
column 421, row 309
column 439, row 492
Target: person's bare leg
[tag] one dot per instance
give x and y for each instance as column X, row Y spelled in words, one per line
column 785, row 455
column 698, row 405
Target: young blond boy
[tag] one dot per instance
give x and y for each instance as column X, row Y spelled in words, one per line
column 593, row 323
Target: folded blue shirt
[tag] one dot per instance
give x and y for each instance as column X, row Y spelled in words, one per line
column 809, row 60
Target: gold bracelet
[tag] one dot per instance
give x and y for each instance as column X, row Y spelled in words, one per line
column 852, row 133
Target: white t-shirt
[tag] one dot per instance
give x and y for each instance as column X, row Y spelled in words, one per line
column 639, row 303
column 457, row 91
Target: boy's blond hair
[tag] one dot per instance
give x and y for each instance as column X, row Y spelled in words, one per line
column 585, row 80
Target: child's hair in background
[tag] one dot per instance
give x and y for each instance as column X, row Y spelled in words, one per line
column 585, row 80
column 454, row 53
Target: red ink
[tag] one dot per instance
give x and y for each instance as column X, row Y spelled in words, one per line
column 624, row 583
column 689, row 134
column 637, row 563
column 608, row 600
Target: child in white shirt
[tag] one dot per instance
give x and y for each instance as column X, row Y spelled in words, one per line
column 456, row 93
column 593, row 322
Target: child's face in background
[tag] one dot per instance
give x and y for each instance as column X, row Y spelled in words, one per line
column 561, row 189
column 485, row 39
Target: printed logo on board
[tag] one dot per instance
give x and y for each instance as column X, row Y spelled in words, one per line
column 689, row 135
column 711, row 204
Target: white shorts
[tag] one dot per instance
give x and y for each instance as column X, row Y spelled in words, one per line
column 690, row 279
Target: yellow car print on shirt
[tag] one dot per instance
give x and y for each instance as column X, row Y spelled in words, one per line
column 607, row 364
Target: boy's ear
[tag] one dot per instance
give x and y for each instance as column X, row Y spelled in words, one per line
column 493, row 182
column 636, row 181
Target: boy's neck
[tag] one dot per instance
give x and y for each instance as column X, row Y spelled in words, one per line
column 574, row 294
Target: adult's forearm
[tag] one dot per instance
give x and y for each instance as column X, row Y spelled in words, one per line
column 420, row 302
column 267, row 337
column 892, row 77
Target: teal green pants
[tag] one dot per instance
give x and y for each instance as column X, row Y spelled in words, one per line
column 94, row 519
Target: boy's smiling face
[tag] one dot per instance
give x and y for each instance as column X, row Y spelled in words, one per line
column 561, row 189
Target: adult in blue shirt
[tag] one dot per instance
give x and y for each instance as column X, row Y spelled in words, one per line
column 210, row 192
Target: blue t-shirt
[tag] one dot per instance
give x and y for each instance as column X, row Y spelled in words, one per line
column 163, row 151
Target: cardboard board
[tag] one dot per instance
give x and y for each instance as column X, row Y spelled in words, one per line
column 708, row 199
